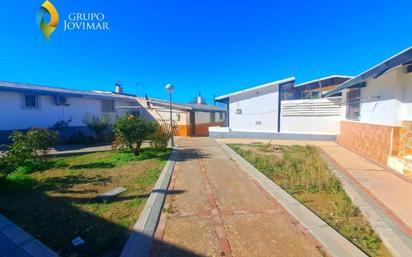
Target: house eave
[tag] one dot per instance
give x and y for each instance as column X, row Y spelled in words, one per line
column 399, row 59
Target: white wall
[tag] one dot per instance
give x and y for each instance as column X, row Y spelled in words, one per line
column 406, row 112
column 387, row 99
column 259, row 110
column 14, row 116
column 312, row 116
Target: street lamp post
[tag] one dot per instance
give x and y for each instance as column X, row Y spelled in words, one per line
column 170, row 89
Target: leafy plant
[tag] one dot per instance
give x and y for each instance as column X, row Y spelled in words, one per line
column 61, row 124
column 40, row 141
column 97, row 124
column 160, row 137
column 131, row 131
column 28, row 151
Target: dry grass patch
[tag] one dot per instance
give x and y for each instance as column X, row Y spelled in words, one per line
column 301, row 172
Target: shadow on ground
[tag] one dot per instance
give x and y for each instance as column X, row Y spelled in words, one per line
column 94, row 165
column 62, row 221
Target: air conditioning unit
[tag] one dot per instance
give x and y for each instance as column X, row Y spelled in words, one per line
column 61, row 100
column 238, row 111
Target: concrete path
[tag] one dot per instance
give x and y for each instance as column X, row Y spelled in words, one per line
column 67, row 150
column 223, row 212
column 391, row 191
column 15, row 242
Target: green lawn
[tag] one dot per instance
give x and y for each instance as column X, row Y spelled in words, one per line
column 60, row 204
column 301, row 172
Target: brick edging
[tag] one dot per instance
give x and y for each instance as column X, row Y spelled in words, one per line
column 224, row 245
column 142, row 234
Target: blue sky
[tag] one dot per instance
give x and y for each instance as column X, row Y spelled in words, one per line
column 212, row 46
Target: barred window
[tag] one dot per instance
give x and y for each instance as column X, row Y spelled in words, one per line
column 108, row 106
column 353, row 104
column 31, row 102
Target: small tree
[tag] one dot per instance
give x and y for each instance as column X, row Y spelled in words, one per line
column 160, row 137
column 20, row 150
column 97, row 124
column 131, row 131
column 28, row 149
column 40, row 141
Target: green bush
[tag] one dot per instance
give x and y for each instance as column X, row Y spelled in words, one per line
column 28, row 151
column 160, row 137
column 40, row 141
column 60, row 124
column 131, row 131
column 97, row 124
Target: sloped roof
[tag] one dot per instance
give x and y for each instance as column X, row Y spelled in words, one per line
column 277, row 82
column 401, row 58
column 185, row 106
column 332, row 80
column 56, row 91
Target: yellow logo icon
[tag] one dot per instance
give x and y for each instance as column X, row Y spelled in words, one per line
column 47, row 28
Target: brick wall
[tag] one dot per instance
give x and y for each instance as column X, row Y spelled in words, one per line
column 405, row 142
column 369, row 140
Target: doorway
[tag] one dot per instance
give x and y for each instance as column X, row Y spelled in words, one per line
column 192, row 124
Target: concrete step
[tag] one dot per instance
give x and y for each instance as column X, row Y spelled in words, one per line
column 401, row 165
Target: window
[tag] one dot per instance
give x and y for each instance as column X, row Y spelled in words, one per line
column 136, row 113
column 108, row 106
column 31, row 102
column 212, row 117
column 178, row 117
column 353, row 104
column 316, row 95
column 221, row 115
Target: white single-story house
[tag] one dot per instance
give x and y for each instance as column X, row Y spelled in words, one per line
column 281, row 109
column 256, row 108
column 189, row 119
column 377, row 117
column 24, row 106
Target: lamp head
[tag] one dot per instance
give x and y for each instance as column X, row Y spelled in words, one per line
column 170, row 88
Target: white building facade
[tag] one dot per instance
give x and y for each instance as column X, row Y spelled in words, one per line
column 277, row 110
column 377, row 117
column 25, row 106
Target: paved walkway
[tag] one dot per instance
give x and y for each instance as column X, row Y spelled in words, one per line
column 222, row 212
column 392, row 192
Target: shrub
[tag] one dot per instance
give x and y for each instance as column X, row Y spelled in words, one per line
column 97, row 124
column 131, row 131
column 160, row 137
column 60, row 124
column 28, row 151
column 40, row 141
column 5, row 166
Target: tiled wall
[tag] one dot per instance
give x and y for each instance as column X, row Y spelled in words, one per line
column 405, row 142
column 372, row 141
